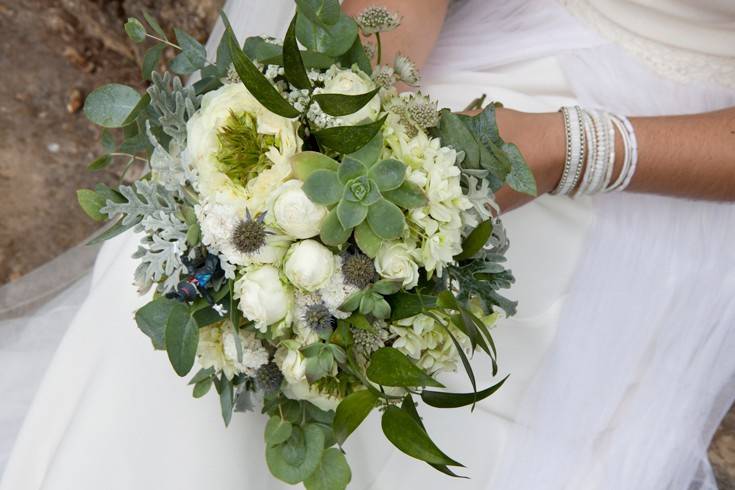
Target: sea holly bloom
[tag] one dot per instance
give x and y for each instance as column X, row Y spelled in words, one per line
column 375, row 19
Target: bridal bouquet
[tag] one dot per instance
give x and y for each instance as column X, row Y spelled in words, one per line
column 321, row 245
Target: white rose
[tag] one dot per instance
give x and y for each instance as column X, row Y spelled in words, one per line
column 394, row 261
column 263, row 298
column 291, row 363
column 309, row 265
column 295, row 213
column 349, row 82
column 304, row 391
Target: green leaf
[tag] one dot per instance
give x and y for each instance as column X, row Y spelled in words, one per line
column 226, row 398
column 91, row 202
column 387, row 287
column 386, row 219
column 154, row 25
column 352, row 302
column 351, row 214
column 333, row 472
column 323, row 187
column 407, row 196
column 201, row 375
column 193, row 56
column 202, row 387
column 181, row 339
column 298, row 457
column 115, row 228
column 381, row 308
column 110, row 105
column 357, row 55
column 475, row 240
column 307, row 162
column 342, row 335
column 142, row 104
column 277, row 430
column 368, row 241
column 254, row 80
column 348, row 139
column 258, row 49
column 321, row 12
column 405, row 305
column 332, row 40
column 108, row 141
column 293, row 65
column 520, row 177
column 135, row 30
column 150, row 60
column 407, row 435
column 390, row 367
column 350, row 169
column 440, row 399
column 332, row 232
column 154, row 317
column 388, row 174
column 341, row 104
column 351, row 411
column 370, row 152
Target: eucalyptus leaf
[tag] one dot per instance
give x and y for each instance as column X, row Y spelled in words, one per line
column 407, row 435
column 154, row 25
column 91, row 202
column 356, row 55
column 386, row 220
column 321, row 12
column 332, row 40
column 202, row 387
column 351, row 411
column 390, row 367
column 135, row 30
column 298, row 457
column 193, row 51
column 153, row 318
column 181, row 339
column 348, row 139
column 341, row 104
column 201, row 375
column 293, row 65
column 110, row 105
column 277, row 430
column 254, row 80
column 441, row 399
column 226, row 398
column 333, row 472
column 150, row 60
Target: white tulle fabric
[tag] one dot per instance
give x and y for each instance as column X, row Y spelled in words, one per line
column 621, row 356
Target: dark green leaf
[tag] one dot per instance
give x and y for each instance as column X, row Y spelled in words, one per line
column 407, row 196
column 277, row 430
column 150, row 60
column 407, row 435
column 254, row 80
column 154, row 317
column 368, row 155
column 405, row 305
column 440, row 399
column 154, row 25
column 342, row 105
column 475, row 240
column 297, row 458
column 352, row 302
column 201, row 375
column 181, row 339
column 321, row 12
column 91, row 202
column 390, row 367
column 207, row 84
column 348, row 139
column 293, row 65
column 135, row 30
column 110, row 105
column 332, row 40
column 333, row 472
column 226, row 398
column 351, row 411
column 357, row 55
column 520, row 177
column 258, row 49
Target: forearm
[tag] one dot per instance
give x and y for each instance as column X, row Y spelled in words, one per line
column 686, row 156
column 421, row 24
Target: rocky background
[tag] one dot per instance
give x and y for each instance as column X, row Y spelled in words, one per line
column 52, row 54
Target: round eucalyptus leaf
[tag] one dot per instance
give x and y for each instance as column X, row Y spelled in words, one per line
column 333, row 472
column 277, row 430
column 298, row 457
column 135, row 30
column 110, row 105
column 332, row 40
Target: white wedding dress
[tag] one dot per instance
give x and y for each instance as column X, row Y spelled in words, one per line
column 621, row 355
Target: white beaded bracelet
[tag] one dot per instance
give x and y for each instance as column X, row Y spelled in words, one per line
column 574, row 160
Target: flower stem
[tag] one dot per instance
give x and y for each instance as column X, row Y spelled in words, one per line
column 175, row 46
column 379, row 47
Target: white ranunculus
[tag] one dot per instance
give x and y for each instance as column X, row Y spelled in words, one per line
column 292, row 364
column 303, row 391
column 202, row 129
column 263, row 297
column 353, row 82
column 394, row 261
column 295, row 213
column 309, row 265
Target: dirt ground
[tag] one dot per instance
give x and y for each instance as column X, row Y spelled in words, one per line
column 53, row 53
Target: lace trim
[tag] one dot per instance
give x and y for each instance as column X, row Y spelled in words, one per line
column 678, row 64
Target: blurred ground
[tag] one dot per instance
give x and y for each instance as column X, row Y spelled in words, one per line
column 53, row 53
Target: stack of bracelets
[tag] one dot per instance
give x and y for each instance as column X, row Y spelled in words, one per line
column 590, row 156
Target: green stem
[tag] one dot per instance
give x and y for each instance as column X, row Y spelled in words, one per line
column 379, row 47
column 168, row 43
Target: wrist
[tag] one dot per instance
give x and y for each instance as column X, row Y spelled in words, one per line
column 540, row 139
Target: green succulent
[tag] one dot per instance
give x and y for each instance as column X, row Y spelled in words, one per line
column 365, row 194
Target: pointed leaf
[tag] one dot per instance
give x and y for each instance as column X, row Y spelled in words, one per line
column 341, row 104
column 388, row 174
column 350, row 169
column 91, row 202
column 520, row 177
column 370, row 152
column 368, row 241
column 332, row 40
column 351, row 214
column 407, row 196
column 348, row 139
column 154, row 24
column 254, row 80
column 357, row 55
column 351, row 411
column 323, row 187
column 293, row 65
column 405, row 305
column 181, row 339
column 202, row 388
column 386, row 220
column 226, row 398
column 407, row 435
column 332, row 232
column 307, row 162
column 441, row 399
column 390, row 367
column 475, row 240
column 150, row 60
